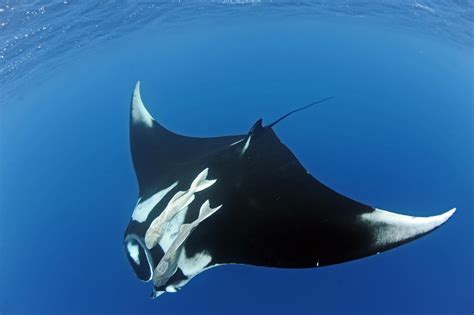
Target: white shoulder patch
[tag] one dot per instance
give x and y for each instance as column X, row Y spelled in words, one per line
column 143, row 208
column 140, row 115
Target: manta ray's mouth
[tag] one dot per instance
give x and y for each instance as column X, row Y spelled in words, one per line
column 139, row 257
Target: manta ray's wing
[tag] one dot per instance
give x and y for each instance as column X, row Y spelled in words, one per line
column 154, row 148
column 274, row 213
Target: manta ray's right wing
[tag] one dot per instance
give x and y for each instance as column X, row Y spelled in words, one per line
column 276, row 214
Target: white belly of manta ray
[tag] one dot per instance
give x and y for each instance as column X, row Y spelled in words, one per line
column 155, row 244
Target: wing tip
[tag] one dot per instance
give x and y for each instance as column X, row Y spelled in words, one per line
column 443, row 217
column 137, row 98
column 438, row 220
column 392, row 229
column 139, row 113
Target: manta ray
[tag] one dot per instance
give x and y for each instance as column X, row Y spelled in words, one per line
column 242, row 199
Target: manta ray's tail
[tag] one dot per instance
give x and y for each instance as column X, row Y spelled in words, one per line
column 299, row 109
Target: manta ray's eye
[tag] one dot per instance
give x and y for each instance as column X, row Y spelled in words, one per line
column 139, row 258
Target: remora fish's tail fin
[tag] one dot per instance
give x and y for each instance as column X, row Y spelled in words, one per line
column 201, row 182
column 391, row 229
column 206, row 211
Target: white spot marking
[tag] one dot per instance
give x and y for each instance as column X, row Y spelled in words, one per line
column 191, row 266
column 135, row 239
column 143, row 208
column 234, row 143
column 246, row 146
column 156, row 294
column 171, row 289
column 390, row 228
column 133, row 252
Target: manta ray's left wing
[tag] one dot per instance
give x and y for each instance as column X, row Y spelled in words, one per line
column 155, row 149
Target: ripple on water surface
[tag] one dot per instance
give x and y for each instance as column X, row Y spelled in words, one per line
column 42, row 33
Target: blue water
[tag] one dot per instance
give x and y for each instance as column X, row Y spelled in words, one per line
column 398, row 135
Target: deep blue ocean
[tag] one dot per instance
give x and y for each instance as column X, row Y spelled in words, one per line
column 398, row 135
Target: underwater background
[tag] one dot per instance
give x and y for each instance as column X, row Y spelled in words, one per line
column 398, row 135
